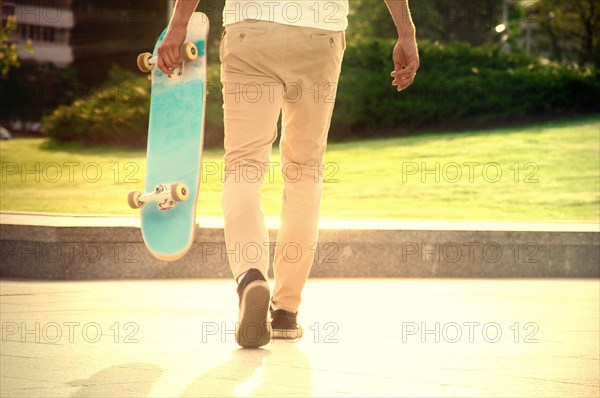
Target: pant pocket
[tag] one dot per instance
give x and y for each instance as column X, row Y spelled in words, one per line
column 331, row 39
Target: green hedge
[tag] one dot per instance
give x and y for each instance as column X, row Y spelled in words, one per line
column 35, row 89
column 458, row 86
column 117, row 113
column 114, row 114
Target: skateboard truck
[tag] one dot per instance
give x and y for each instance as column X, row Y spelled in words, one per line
column 189, row 52
column 166, row 196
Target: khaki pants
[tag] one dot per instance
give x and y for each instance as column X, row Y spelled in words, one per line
column 268, row 68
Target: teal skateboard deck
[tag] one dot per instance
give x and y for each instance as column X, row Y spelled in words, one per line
column 175, row 143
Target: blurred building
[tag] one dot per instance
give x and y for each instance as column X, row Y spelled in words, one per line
column 66, row 47
column 47, row 25
column 89, row 35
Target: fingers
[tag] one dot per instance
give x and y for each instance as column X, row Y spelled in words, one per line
column 399, row 57
column 402, row 72
column 162, row 66
column 399, row 68
column 403, row 77
column 169, row 57
column 403, row 84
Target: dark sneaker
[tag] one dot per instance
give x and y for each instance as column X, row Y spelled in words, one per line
column 253, row 329
column 284, row 325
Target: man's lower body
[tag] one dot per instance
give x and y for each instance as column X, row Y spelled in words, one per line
column 267, row 69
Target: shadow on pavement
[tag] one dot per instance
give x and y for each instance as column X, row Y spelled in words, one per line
column 124, row 380
column 285, row 371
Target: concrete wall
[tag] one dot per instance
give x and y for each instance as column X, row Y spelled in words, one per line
column 97, row 248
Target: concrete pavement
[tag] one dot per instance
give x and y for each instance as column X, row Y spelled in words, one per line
column 363, row 337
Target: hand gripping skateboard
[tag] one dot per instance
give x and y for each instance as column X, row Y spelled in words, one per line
column 175, row 141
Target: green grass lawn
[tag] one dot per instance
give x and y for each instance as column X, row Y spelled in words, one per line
column 549, row 172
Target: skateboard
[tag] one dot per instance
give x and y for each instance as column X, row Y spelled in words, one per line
column 175, row 143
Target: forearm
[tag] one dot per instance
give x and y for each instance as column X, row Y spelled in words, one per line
column 400, row 12
column 183, row 12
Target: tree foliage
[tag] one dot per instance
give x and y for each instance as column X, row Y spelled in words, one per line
column 8, row 50
column 571, row 29
column 471, row 21
column 35, row 89
column 111, row 32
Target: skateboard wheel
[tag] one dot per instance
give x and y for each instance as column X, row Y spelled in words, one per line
column 180, row 192
column 143, row 62
column 134, row 199
column 189, row 52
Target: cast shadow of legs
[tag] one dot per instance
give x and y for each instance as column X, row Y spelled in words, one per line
column 280, row 370
column 124, row 380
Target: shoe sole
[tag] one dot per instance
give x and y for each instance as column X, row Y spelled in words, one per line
column 253, row 330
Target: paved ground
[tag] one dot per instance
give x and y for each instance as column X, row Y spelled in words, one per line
column 371, row 337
